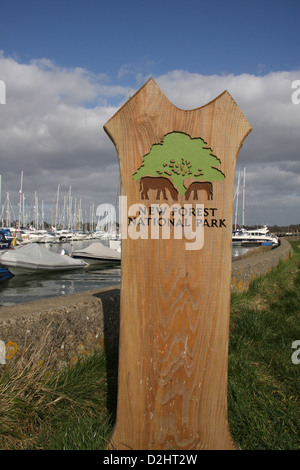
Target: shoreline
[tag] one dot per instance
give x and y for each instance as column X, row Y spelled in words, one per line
column 72, row 326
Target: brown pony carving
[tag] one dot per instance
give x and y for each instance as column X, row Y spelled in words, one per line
column 158, row 184
column 198, row 186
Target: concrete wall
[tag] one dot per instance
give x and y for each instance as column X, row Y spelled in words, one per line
column 64, row 328
column 68, row 327
column 246, row 268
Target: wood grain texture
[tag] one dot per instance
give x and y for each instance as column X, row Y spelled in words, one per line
column 175, row 303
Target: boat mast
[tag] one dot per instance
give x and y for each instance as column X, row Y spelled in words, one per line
column 244, row 192
column 64, row 214
column 43, row 215
column 237, row 200
column 70, row 210
column 74, row 226
column 24, row 220
column 92, row 210
column 7, row 210
column 56, row 209
column 36, row 216
column 0, row 201
column 20, row 201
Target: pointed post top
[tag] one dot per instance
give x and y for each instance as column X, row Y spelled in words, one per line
column 149, row 115
column 150, row 93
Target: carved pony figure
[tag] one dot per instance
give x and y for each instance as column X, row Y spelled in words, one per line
column 158, row 184
column 198, row 186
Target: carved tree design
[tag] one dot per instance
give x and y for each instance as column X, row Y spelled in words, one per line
column 179, row 157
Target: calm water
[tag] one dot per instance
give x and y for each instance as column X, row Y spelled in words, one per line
column 20, row 289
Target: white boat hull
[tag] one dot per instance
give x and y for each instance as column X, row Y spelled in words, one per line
column 97, row 253
column 36, row 269
column 261, row 236
column 94, row 261
column 33, row 258
column 253, row 242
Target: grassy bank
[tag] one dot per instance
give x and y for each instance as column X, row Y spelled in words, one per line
column 74, row 409
column 41, row 408
column 264, row 383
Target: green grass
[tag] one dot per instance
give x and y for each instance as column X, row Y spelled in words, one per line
column 74, row 409
column 41, row 408
column 263, row 382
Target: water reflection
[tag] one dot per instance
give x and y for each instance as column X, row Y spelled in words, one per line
column 240, row 250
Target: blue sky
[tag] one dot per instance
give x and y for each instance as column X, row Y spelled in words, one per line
column 210, row 37
column 68, row 65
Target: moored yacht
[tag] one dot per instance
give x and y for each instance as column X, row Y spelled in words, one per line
column 258, row 236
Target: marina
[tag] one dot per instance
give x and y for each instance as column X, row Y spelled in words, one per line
column 26, row 288
column 101, row 269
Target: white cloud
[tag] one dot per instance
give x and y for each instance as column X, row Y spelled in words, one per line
column 47, row 131
column 271, row 152
column 51, row 127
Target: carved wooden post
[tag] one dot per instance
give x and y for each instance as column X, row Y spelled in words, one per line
column 175, row 290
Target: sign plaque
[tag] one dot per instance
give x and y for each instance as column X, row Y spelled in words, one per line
column 177, row 172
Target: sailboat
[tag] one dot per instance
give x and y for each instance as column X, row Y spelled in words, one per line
column 250, row 237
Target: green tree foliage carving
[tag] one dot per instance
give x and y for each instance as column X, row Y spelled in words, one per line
column 179, row 157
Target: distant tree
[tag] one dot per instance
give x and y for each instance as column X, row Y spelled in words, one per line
column 180, row 157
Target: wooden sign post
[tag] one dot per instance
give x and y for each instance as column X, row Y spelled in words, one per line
column 177, row 178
